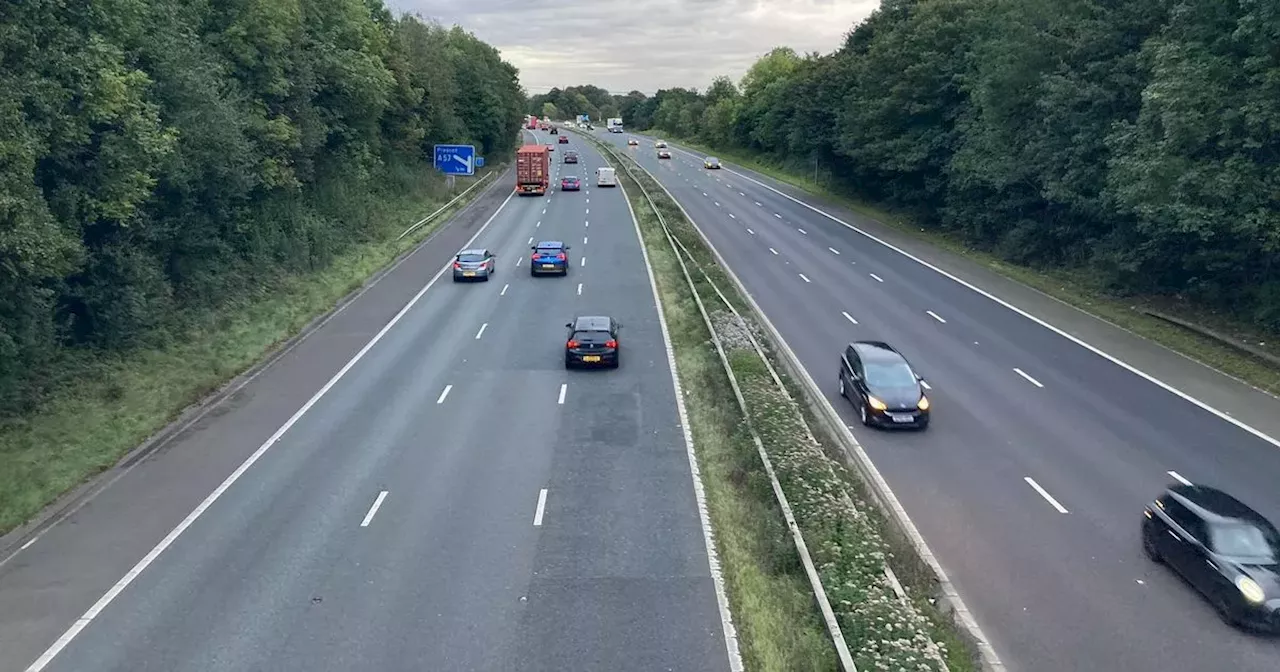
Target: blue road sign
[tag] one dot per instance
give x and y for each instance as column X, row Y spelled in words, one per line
column 456, row 159
column 479, row 162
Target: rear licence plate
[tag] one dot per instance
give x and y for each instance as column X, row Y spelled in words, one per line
column 468, row 274
column 548, row 265
column 591, row 358
column 902, row 417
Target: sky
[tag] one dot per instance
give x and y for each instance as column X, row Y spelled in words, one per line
column 642, row 44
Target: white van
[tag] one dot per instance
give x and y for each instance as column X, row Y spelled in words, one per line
column 606, row 178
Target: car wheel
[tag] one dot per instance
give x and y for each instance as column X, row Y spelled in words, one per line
column 843, row 393
column 862, row 413
column 568, row 363
column 617, row 361
column 1149, row 547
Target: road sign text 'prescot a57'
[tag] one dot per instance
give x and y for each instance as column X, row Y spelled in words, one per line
column 456, row 159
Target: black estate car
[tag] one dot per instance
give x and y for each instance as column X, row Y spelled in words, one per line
column 881, row 385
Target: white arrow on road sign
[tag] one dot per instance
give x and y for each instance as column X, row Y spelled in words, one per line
column 465, row 162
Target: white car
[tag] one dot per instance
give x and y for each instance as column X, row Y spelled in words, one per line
column 660, row 144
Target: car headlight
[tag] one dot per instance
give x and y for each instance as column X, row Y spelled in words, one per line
column 1250, row 589
column 924, row 403
column 876, row 403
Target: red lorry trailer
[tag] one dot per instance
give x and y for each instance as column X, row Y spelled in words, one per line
column 533, row 123
column 533, row 170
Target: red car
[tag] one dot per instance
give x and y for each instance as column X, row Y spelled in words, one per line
column 570, row 184
column 564, row 139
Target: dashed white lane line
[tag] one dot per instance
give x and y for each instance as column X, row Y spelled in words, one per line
column 588, row 200
column 579, row 289
column 751, row 232
column 803, row 277
column 583, row 262
column 741, row 194
column 717, row 203
column 504, row 290
column 877, row 278
column 542, row 506
column 564, row 387
column 1043, row 493
column 773, row 250
column 444, row 394
column 518, row 260
column 530, row 240
column 538, row 225
column 849, row 317
column 584, row 240
column 758, row 203
column 373, row 510
column 935, row 316
column 704, row 193
column 777, row 215
column 586, row 223
column 1179, row 478
column 733, row 216
column 803, row 231
column 1031, row 380
column 587, row 212
column 544, row 211
column 834, row 250
column 481, row 332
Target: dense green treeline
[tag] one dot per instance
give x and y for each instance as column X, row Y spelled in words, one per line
column 1136, row 139
column 159, row 158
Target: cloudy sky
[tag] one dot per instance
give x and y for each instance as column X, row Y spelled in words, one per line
column 643, row 44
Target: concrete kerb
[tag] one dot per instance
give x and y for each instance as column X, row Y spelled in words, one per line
column 947, row 597
column 828, row 614
column 25, row 535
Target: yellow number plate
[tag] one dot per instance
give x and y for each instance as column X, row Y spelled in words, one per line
column 591, row 358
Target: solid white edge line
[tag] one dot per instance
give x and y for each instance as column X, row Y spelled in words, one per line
column 1024, row 374
column 481, row 331
column 935, row 316
column 699, row 491
column 373, row 510
column 1009, row 306
column 563, row 388
column 88, row 616
column 541, row 507
column 849, row 317
column 1179, row 478
column 1044, row 493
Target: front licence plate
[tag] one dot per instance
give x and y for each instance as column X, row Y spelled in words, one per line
column 468, row 274
column 548, row 265
column 902, row 417
column 591, row 358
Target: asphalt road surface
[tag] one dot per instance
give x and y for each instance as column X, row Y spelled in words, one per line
column 1029, row 483
column 455, row 501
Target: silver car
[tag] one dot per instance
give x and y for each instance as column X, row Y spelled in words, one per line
column 475, row 264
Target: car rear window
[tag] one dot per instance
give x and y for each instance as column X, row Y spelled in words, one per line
column 592, row 336
column 471, row 257
column 549, row 250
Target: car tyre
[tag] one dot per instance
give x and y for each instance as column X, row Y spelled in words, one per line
column 617, row 361
column 844, row 393
column 863, row 415
column 1149, row 547
column 568, row 363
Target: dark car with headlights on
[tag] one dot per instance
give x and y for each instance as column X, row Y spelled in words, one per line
column 570, row 183
column 473, row 265
column 664, row 154
column 593, row 340
column 564, row 140
column 1225, row 550
column 570, row 156
column 881, row 385
column 549, row 256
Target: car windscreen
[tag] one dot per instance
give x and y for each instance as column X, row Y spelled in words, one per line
column 592, row 336
column 889, row 374
column 471, row 257
column 1243, row 540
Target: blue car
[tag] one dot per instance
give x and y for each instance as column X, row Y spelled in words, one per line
column 549, row 256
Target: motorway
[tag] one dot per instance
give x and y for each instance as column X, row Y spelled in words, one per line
column 1029, row 484
column 448, row 497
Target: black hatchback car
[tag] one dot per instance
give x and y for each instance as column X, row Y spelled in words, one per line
column 880, row 383
column 1224, row 549
column 593, row 339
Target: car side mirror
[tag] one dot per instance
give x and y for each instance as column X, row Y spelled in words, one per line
column 568, row 325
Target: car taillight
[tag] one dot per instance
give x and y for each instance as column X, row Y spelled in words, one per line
column 611, row 343
column 571, row 344
column 457, row 264
column 561, row 256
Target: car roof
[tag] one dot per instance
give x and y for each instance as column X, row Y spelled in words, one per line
column 592, row 323
column 550, row 244
column 1214, row 504
column 877, row 351
column 474, row 250
column 569, row 177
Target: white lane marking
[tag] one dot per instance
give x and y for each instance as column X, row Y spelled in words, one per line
column 741, row 194
column 1022, row 373
column 717, row 203
column 504, row 290
column 1018, row 311
column 758, row 203
column 1043, row 493
column 878, row 278
column 481, row 332
column 544, row 211
column 584, row 240
column 443, row 394
column 733, row 216
column 803, row 231
column 849, row 317
column 88, row 616
column 563, row 388
column 925, row 385
column 579, row 289
column 834, row 250
column 542, row 505
column 588, row 211
column 530, row 241
column 773, row 250
column 586, row 223
column 373, row 510
column 935, row 316
column 802, row 277
column 588, row 200
column 583, row 262
column 704, row 193
column 1178, row 477
column 777, row 215
column 518, row 260
column 538, row 225
column 751, row 232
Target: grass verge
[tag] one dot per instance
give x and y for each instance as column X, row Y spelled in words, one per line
column 84, row 429
column 770, row 595
column 1079, row 288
